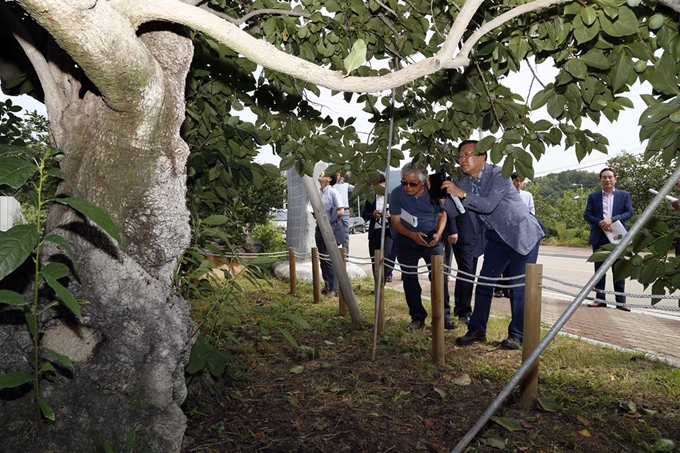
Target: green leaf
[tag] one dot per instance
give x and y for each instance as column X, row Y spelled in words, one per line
column 16, row 244
column 93, row 213
column 12, row 298
column 57, row 173
column 289, row 337
column 664, row 78
column 297, row 320
column 15, row 172
column 547, row 405
column 626, row 23
column 46, row 410
column 577, row 68
column 297, row 369
column 595, row 58
column 506, row 423
column 494, row 441
column 217, row 362
column 356, row 57
column 621, row 72
column 262, row 310
column 14, row 379
column 215, row 220
column 129, row 440
column 61, row 242
column 664, row 445
column 64, row 360
column 51, row 273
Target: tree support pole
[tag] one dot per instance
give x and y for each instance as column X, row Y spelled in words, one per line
column 342, row 306
column 528, row 388
column 292, row 269
column 327, row 233
column 437, row 298
column 316, row 278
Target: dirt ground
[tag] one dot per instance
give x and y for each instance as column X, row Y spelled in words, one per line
column 335, row 398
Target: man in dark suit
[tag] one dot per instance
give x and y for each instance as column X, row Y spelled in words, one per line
column 459, row 239
column 506, row 234
column 459, row 242
column 605, row 207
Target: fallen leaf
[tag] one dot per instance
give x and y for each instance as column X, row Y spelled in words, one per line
column 494, row 441
column 547, row 405
column 297, row 369
column 440, row 392
column 462, row 380
column 584, row 421
column 506, row 423
column 663, row 445
column 430, row 422
column 584, row 433
column 632, row 415
column 645, row 411
column 447, row 377
column 628, row 406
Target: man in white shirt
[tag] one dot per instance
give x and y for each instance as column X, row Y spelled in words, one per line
column 524, row 195
column 344, row 189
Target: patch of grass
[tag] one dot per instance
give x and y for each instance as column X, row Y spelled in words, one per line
column 280, row 398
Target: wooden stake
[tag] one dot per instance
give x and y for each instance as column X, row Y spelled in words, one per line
column 532, row 332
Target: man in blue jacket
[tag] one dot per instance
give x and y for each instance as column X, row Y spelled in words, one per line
column 605, row 207
column 507, row 234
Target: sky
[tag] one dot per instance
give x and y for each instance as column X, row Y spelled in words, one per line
column 622, row 135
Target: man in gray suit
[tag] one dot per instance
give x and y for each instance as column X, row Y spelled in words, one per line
column 506, row 233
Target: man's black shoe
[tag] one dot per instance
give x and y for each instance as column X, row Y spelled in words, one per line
column 416, row 325
column 473, row 336
column 464, row 319
column 388, row 279
column 450, row 325
column 512, row 342
column 497, row 293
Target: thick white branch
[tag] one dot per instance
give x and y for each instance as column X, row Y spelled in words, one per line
column 265, row 54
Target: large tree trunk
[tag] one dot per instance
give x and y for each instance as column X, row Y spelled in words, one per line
column 130, row 350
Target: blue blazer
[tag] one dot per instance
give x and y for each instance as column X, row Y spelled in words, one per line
column 504, row 209
column 621, row 210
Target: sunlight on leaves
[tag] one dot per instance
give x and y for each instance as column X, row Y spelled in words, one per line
column 356, row 57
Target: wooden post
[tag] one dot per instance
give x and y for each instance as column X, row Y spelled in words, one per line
column 342, row 306
column 292, row 269
column 533, row 296
column 378, row 265
column 437, row 278
column 316, row 278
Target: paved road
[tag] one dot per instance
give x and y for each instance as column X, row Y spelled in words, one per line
column 643, row 329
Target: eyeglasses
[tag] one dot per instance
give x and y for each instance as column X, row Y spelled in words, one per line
column 409, row 184
column 466, row 155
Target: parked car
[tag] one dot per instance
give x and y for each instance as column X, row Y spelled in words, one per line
column 357, row 225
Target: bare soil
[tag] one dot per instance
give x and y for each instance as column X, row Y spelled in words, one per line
column 334, row 398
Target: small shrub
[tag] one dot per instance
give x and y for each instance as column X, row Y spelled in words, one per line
column 270, row 235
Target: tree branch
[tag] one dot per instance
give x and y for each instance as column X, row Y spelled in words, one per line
column 53, row 96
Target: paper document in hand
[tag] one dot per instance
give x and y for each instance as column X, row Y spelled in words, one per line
column 618, row 231
column 408, row 218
